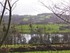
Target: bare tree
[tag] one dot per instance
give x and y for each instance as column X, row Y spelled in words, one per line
column 59, row 10
column 10, row 15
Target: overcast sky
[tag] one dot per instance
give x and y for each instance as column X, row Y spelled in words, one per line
column 31, row 7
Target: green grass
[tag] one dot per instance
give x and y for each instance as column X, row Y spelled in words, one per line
column 16, row 45
column 64, row 51
column 49, row 28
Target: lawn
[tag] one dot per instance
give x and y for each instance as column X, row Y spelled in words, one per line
column 46, row 28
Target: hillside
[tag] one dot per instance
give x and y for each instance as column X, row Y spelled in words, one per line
column 43, row 18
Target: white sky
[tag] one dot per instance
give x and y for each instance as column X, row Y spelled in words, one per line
column 31, row 7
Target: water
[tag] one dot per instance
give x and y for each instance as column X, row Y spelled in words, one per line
column 28, row 36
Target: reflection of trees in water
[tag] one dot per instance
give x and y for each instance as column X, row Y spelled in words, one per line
column 36, row 39
column 49, row 38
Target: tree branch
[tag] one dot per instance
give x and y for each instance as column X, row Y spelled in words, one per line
column 55, row 13
column 3, row 6
column 14, row 3
column 3, row 11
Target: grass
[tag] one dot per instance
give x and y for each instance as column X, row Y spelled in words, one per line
column 64, row 51
column 16, row 46
column 49, row 28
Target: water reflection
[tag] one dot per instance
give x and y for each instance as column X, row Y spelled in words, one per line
column 44, row 37
column 27, row 36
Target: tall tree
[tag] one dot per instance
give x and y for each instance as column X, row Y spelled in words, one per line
column 9, row 21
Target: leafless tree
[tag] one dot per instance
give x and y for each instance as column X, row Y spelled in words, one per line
column 10, row 15
column 59, row 9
